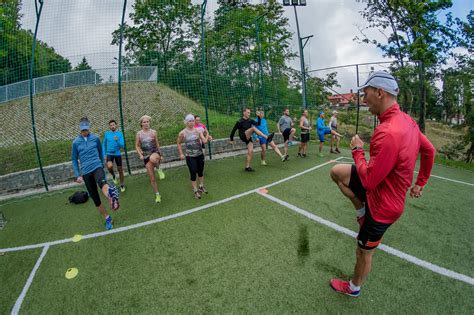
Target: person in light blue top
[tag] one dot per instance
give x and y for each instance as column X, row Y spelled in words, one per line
column 263, row 127
column 87, row 151
column 323, row 130
column 113, row 142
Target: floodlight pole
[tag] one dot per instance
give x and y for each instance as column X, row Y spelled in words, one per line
column 257, row 27
column 301, row 47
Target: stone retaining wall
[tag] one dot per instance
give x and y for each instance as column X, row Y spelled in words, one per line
column 63, row 173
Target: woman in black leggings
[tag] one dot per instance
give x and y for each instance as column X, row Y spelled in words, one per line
column 193, row 139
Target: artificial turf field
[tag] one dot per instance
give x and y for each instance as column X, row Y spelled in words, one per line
column 245, row 255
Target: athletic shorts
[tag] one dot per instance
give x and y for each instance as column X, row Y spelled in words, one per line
column 262, row 140
column 286, row 134
column 116, row 158
column 304, row 137
column 92, row 179
column 371, row 232
column 147, row 159
column 244, row 139
column 322, row 133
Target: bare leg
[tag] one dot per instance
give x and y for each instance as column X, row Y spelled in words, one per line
column 292, row 133
column 275, row 148
column 249, row 154
column 263, row 152
column 102, row 210
column 363, row 265
column 321, row 146
column 122, row 177
column 341, row 175
column 250, row 131
column 110, row 167
column 201, row 181
column 194, row 184
column 150, row 169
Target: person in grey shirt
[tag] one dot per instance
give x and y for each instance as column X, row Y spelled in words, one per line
column 285, row 127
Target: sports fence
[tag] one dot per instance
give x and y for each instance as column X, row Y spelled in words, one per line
column 120, row 59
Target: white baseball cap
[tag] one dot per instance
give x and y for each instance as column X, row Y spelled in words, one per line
column 188, row 118
column 382, row 80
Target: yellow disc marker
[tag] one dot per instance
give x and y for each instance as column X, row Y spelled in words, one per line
column 71, row 273
column 77, row 238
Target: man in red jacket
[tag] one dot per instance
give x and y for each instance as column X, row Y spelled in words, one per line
column 378, row 188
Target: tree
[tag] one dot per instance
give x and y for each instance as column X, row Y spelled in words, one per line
column 15, row 49
column 91, row 76
column 162, row 32
column 413, row 31
column 83, row 65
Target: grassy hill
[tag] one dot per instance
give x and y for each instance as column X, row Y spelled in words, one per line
column 57, row 115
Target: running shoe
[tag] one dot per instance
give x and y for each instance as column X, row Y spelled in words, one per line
column 343, row 287
column 157, row 198
column 337, row 150
column 115, row 180
column 264, row 163
column 161, row 175
column 249, row 169
column 108, row 223
column 332, row 151
column 203, row 189
column 321, row 155
column 299, row 155
column 114, row 197
column 122, row 188
column 283, row 158
column 286, row 158
column 197, row 194
column 290, row 143
column 303, row 155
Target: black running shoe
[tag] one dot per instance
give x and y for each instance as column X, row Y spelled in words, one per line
column 249, row 169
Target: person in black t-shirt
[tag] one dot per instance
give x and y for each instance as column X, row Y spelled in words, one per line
column 246, row 127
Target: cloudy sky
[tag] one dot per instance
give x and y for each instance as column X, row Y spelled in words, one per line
column 83, row 27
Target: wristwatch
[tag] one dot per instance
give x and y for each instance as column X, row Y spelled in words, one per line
column 357, row 148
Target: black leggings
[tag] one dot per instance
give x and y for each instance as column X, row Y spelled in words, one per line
column 92, row 179
column 195, row 165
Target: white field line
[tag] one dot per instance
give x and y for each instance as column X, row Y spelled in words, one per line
column 419, row 262
column 435, row 176
column 20, row 299
column 166, row 218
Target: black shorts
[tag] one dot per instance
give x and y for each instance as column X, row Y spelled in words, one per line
column 116, row 158
column 147, row 159
column 195, row 166
column 371, row 232
column 92, row 179
column 304, row 137
column 286, row 134
column 244, row 139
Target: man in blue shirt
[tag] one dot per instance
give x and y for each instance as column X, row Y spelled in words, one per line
column 87, row 150
column 263, row 127
column 113, row 142
column 323, row 130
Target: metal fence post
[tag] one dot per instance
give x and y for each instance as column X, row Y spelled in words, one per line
column 203, row 62
column 32, row 65
column 120, row 85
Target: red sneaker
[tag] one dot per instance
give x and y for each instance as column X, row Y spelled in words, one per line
column 343, row 287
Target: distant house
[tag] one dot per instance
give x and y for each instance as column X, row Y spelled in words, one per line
column 344, row 100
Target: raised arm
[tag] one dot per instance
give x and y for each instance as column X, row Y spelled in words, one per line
column 381, row 162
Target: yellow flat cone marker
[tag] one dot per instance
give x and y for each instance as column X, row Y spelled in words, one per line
column 77, row 238
column 71, row 273
column 263, row 190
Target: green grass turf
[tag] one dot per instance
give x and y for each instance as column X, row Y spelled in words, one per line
column 14, row 271
column 49, row 217
column 248, row 255
column 241, row 257
column 436, row 227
